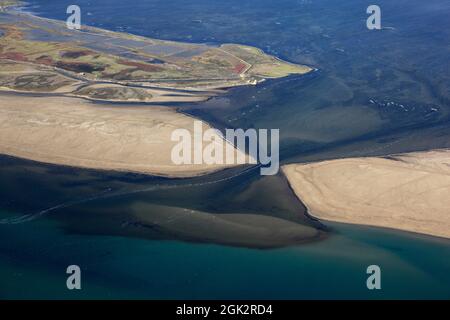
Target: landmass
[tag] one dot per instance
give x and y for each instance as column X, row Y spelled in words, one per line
column 43, row 55
column 407, row 191
column 48, row 74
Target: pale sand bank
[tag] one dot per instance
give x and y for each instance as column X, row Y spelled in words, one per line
column 74, row 132
column 409, row 192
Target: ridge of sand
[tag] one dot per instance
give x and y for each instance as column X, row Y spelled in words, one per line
column 75, row 132
column 409, row 192
column 237, row 229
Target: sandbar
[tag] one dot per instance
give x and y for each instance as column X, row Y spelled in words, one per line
column 408, row 192
column 76, row 132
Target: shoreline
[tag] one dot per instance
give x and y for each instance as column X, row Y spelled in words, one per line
column 29, row 76
column 77, row 133
column 244, row 78
column 404, row 192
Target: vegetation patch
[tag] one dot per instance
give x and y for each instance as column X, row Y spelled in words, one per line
column 79, row 66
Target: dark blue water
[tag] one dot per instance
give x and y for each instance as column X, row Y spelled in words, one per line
column 324, row 115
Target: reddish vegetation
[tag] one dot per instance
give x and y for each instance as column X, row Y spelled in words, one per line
column 239, row 68
column 140, row 66
column 16, row 56
column 45, row 60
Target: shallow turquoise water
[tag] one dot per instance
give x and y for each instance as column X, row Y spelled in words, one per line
column 114, row 267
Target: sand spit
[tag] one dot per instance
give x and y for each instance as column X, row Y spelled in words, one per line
column 75, row 132
column 408, row 191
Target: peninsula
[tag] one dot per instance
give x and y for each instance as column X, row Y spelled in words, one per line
column 50, row 77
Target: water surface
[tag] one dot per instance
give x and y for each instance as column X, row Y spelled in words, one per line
column 78, row 215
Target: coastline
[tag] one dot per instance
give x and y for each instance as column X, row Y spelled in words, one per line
column 405, row 192
column 74, row 132
column 270, row 67
column 87, row 146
